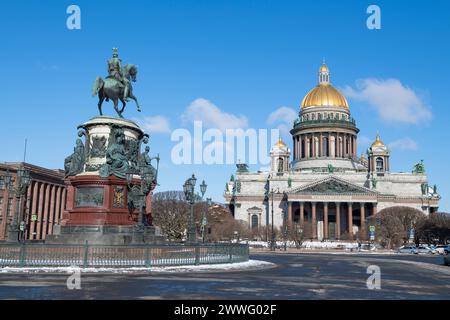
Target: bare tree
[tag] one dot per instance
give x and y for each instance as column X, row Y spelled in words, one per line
column 298, row 234
column 433, row 229
column 394, row 224
column 222, row 225
column 170, row 213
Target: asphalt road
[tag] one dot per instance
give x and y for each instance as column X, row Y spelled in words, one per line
column 296, row 276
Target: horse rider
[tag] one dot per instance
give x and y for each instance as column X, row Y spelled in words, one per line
column 115, row 71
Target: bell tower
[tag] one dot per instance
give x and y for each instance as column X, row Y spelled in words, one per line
column 279, row 155
column 378, row 155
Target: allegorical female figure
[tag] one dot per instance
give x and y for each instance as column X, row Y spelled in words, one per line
column 116, row 158
column 74, row 163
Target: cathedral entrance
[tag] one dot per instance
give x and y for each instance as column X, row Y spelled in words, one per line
column 331, row 220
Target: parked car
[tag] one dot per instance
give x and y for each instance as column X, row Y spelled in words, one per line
column 424, row 249
column 368, row 247
column 443, row 249
column 407, row 249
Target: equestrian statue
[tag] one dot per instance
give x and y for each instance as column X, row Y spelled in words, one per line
column 117, row 85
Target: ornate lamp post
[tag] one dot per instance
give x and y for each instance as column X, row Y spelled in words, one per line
column 272, row 240
column 189, row 193
column 205, row 218
column 17, row 228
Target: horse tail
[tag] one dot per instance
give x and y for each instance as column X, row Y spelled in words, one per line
column 98, row 84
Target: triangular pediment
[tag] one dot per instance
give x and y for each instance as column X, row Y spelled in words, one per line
column 332, row 185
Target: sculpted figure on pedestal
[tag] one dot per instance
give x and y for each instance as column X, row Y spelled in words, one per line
column 116, row 157
column 74, row 163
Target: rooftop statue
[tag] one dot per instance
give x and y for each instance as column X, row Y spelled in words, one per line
column 419, row 167
column 117, row 85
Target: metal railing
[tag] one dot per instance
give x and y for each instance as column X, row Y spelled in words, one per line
column 31, row 255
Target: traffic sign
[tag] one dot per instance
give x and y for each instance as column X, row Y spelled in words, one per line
column 372, row 228
column 33, row 217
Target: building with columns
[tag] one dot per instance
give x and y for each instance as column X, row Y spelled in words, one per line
column 326, row 184
column 40, row 207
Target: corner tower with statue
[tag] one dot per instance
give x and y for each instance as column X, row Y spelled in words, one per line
column 326, row 187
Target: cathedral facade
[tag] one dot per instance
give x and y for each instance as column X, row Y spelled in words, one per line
column 326, row 184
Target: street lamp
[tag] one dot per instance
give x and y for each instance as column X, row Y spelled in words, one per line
column 205, row 217
column 17, row 228
column 189, row 193
column 272, row 244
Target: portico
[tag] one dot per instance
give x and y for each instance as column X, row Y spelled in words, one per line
column 332, row 208
column 329, row 220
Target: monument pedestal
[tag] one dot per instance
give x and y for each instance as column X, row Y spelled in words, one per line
column 105, row 235
column 102, row 206
column 93, row 200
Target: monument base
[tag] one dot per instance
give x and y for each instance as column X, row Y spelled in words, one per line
column 105, row 235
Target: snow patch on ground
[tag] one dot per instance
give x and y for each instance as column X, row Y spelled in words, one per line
column 238, row 266
column 307, row 244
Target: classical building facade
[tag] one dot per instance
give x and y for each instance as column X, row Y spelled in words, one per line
column 326, row 184
column 41, row 205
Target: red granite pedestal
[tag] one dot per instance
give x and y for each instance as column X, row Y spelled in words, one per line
column 97, row 211
column 93, row 200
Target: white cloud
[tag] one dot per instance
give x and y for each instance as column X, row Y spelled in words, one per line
column 156, row 124
column 212, row 117
column 404, row 144
column 285, row 117
column 393, row 101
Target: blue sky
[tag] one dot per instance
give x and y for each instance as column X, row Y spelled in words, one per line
column 243, row 59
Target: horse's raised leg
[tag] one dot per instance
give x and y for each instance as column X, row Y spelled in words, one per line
column 101, row 98
column 135, row 100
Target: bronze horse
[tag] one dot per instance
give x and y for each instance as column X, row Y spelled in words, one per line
column 113, row 89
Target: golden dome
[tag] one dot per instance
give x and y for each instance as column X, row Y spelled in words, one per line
column 279, row 147
column 324, row 94
column 378, row 142
column 280, row 142
column 323, row 68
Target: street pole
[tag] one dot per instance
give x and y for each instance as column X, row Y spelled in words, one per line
column 273, row 234
column 191, row 234
column 189, row 193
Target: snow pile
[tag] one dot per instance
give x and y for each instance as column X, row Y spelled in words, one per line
column 238, row 266
column 307, row 244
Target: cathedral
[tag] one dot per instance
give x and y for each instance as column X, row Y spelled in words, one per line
column 326, row 184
